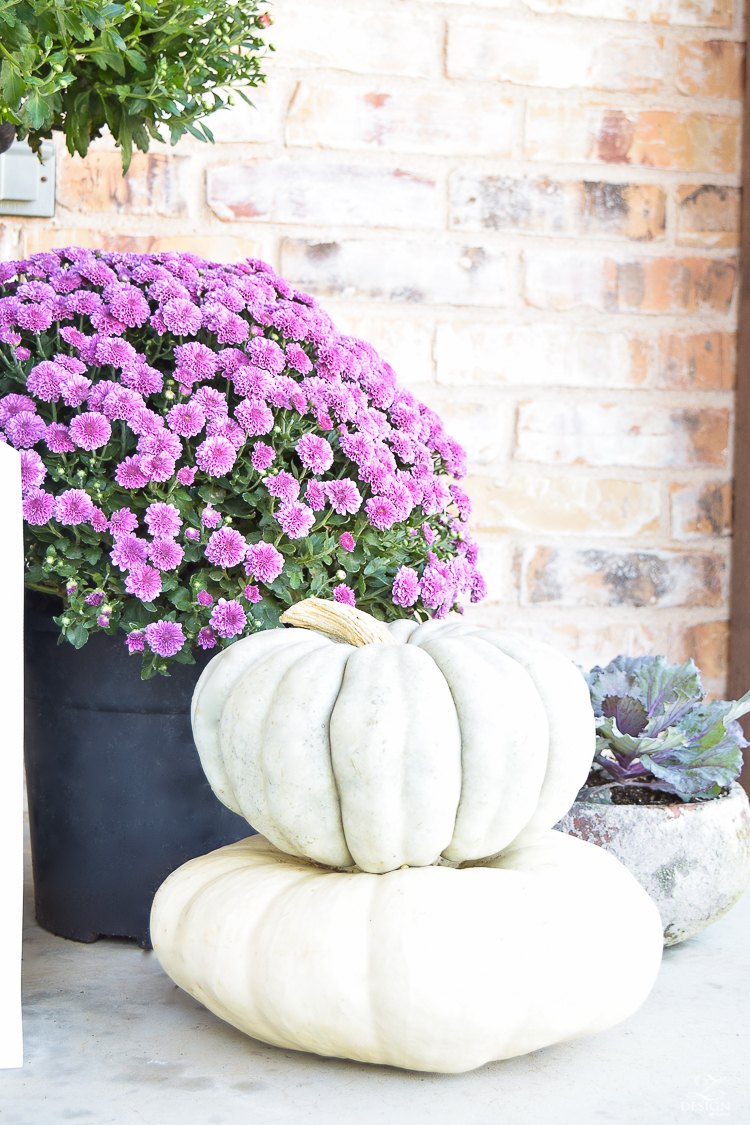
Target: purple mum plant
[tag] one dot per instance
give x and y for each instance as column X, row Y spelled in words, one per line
column 201, row 447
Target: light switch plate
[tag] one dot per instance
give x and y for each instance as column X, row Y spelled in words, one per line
column 26, row 186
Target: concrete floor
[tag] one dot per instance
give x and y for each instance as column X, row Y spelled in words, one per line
column 110, row 1039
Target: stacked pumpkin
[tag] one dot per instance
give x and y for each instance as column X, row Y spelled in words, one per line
column 407, row 901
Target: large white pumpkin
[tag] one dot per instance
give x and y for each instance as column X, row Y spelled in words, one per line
column 429, row 968
column 353, row 743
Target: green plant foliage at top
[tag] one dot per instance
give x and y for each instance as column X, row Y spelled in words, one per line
column 137, row 67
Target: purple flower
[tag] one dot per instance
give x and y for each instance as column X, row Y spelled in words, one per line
column 206, row 638
column 144, row 582
column 227, row 428
column 343, row 495
column 204, row 598
column 33, row 471
column 90, row 430
column 181, row 316
column 346, row 541
column 135, row 642
column 228, row 618
column 192, row 534
column 298, row 359
column 433, row 587
column 94, row 599
column 10, row 405
column 25, row 429
column 57, row 438
column 212, row 402
column 478, row 587
column 405, row 586
column 252, row 594
column 344, row 594
column 215, row 456
column 38, row 507
column 267, row 354
column 160, row 442
column 380, row 512
column 428, row 533
column 254, row 417
column 315, row 494
column 44, row 381
column 461, row 500
column 164, row 553
column 163, row 520
column 252, row 382
column 295, row 519
column 186, row 475
column 128, row 305
column 129, row 551
column 143, row 379
column 121, row 404
column 98, row 520
column 283, row 485
column 23, row 354
column 262, row 456
column 210, row 517
column 196, row 360
column 158, row 466
column 122, row 522
column 74, row 389
column 165, row 638
column 226, row 547
column 263, row 562
column 315, row 453
column 145, row 422
column 186, row 419
column 103, row 621
column 73, row 506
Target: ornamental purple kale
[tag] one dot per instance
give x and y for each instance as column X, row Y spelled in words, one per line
column 201, row 447
column 656, row 729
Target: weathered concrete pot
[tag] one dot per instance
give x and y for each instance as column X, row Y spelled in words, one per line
column 693, row 859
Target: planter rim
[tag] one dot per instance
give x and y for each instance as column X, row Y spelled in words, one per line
column 583, row 799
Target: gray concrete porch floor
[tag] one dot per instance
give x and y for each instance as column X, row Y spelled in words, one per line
column 110, row 1039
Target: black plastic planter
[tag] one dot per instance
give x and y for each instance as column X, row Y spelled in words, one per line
column 117, row 796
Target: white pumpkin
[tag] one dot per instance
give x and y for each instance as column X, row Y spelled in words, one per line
column 353, row 743
column 429, row 968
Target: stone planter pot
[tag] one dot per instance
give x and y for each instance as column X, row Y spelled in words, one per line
column 693, row 859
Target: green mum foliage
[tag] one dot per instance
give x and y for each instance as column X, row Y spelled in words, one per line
column 139, row 68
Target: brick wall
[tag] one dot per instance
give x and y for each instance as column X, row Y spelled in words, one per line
column 531, row 209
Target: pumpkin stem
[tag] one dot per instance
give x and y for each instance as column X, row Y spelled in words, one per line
column 342, row 622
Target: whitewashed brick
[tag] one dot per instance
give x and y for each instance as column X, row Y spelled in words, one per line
column 692, row 13
column 476, row 353
column 290, row 191
column 598, row 578
column 397, row 270
column 346, row 36
column 565, row 505
column 596, row 434
column 530, row 53
column 437, row 122
column 587, row 645
column 483, row 427
column 258, row 123
column 405, row 344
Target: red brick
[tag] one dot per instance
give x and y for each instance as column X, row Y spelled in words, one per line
column 590, row 433
column 713, row 68
column 599, row 578
column 600, row 134
column 704, row 362
column 153, row 186
column 544, row 206
column 708, row 215
column 701, row 509
column 706, row 643
column 565, row 280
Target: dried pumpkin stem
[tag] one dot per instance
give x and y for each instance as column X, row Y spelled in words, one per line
column 342, row 622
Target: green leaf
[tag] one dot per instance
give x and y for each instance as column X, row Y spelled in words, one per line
column 13, row 85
